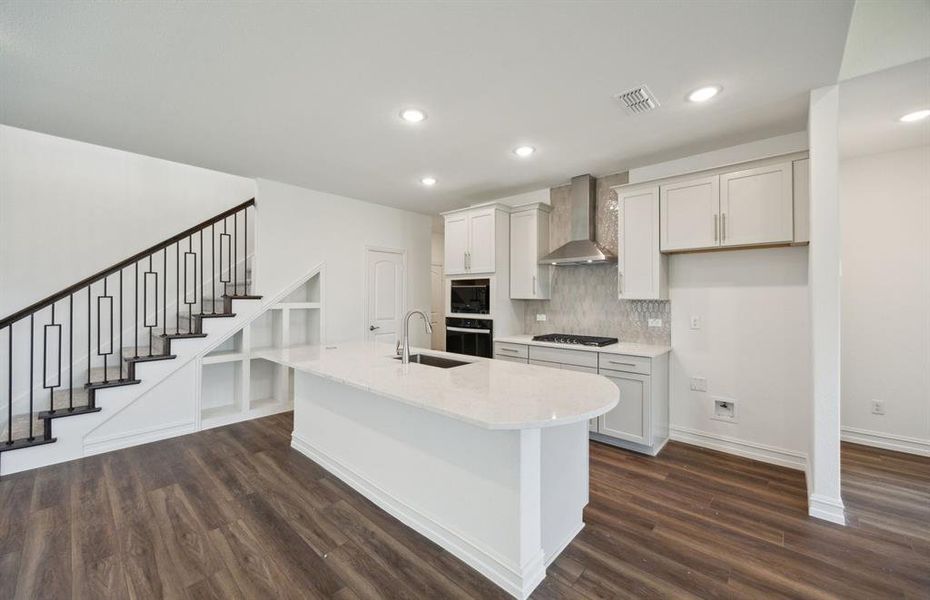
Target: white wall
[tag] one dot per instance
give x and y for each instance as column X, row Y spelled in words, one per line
column 69, row 209
column 885, row 212
column 752, row 347
column 299, row 228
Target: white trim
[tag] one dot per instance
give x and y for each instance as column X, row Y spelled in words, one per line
column 887, row 441
column 517, row 581
column 245, row 415
column 753, row 450
column 627, row 445
column 828, row 509
column 136, row 437
column 568, row 540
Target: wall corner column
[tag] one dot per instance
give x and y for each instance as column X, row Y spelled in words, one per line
column 824, row 272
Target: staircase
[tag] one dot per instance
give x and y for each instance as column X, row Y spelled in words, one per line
column 62, row 355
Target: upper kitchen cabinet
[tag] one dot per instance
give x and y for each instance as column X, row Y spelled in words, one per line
column 473, row 238
column 643, row 269
column 761, row 204
column 529, row 242
column 802, row 200
column 690, row 216
column 756, row 206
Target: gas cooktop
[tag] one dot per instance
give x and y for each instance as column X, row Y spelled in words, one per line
column 567, row 338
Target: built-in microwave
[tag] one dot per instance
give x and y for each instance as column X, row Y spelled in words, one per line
column 470, row 296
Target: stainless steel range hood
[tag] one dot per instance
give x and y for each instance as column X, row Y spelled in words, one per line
column 582, row 249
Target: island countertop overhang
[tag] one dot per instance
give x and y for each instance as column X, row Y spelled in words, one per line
column 487, row 393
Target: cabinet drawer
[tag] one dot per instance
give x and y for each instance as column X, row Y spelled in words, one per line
column 579, row 358
column 512, row 350
column 625, row 363
column 507, row 358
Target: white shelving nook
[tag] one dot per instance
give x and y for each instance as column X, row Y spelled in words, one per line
column 236, row 383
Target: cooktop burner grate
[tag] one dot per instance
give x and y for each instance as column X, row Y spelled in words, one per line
column 582, row 340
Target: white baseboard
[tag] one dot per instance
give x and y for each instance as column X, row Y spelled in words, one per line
column 753, row 450
column 247, row 415
column 886, row 441
column 518, row 582
column 828, row 509
column 136, row 437
column 551, row 558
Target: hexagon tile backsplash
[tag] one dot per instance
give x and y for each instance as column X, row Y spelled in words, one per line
column 584, row 302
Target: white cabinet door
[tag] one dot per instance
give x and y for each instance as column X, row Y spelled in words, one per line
column 456, row 244
column 642, row 267
column 523, row 265
column 481, row 241
column 689, row 214
column 756, row 206
column 629, row 420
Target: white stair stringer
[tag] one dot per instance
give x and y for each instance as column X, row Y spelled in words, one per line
column 71, row 433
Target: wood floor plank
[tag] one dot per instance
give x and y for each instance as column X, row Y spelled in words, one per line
column 234, row 512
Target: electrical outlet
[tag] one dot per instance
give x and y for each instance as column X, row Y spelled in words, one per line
column 695, row 322
column 878, row 407
column 540, row 317
column 655, row 322
column 698, row 384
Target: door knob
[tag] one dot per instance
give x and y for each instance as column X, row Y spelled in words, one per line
column 373, row 327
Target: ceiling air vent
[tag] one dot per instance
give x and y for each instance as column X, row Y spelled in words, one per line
column 638, row 100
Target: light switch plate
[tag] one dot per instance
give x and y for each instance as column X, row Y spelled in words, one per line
column 695, row 322
column 540, row 317
column 878, row 407
column 698, row 384
column 655, row 322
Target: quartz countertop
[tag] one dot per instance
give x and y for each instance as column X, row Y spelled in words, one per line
column 493, row 394
column 644, row 350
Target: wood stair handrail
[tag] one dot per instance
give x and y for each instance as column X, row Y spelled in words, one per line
column 13, row 318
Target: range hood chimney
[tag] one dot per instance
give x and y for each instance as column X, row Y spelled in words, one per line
column 582, row 249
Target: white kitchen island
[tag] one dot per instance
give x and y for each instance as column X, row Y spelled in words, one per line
column 488, row 459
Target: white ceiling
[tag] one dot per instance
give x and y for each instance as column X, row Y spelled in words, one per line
column 871, row 105
column 308, row 93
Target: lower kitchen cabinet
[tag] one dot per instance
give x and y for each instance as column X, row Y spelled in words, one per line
column 639, row 422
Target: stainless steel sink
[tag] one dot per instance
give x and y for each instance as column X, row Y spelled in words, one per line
column 435, row 361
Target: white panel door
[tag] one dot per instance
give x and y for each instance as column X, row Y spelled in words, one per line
column 689, row 214
column 629, row 419
column 385, row 289
column 456, row 244
column 481, row 242
column 641, row 265
column 523, row 255
column 756, row 206
column 437, row 309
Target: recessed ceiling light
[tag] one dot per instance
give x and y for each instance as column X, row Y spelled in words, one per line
column 704, row 94
column 428, row 181
column 524, row 151
column 917, row 115
column 412, row 115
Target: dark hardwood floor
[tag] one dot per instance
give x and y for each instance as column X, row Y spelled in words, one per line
column 235, row 513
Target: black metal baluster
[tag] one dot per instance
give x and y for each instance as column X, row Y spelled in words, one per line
column 149, row 276
column 88, row 334
column 32, row 335
column 71, row 352
column 225, row 282
column 51, row 393
column 177, row 286
column 164, row 291
column 213, row 266
column 235, row 253
column 213, row 300
column 121, row 361
column 135, row 326
column 105, row 379
column 245, row 232
column 9, row 407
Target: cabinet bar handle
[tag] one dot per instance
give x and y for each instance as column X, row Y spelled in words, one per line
column 507, row 350
column 723, row 228
column 613, row 362
column 534, row 285
column 715, row 228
